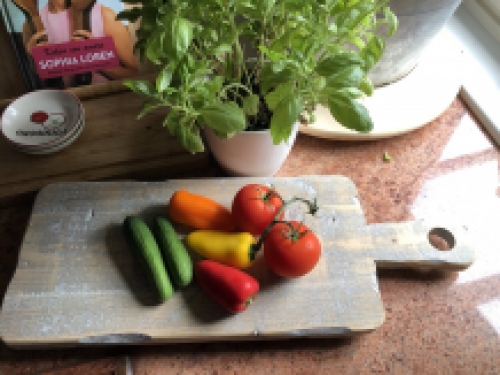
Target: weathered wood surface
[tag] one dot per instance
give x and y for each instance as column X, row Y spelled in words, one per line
column 76, row 283
column 113, row 144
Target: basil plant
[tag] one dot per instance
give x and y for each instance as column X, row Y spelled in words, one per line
column 236, row 65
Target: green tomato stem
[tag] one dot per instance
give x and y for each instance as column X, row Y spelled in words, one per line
column 313, row 208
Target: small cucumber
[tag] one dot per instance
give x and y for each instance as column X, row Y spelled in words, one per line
column 177, row 259
column 147, row 251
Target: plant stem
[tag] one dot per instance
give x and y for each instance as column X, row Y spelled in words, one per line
column 234, row 85
column 313, row 208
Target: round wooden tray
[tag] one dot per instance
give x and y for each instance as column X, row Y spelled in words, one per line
column 408, row 103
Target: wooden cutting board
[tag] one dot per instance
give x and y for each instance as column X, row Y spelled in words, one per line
column 76, row 283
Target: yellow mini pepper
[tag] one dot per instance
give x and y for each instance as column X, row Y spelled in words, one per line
column 233, row 249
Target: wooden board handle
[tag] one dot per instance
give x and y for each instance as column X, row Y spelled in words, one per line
column 421, row 244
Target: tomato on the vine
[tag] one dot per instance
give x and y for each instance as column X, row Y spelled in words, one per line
column 291, row 249
column 254, row 207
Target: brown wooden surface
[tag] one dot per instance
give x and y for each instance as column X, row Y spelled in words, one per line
column 77, row 284
column 113, row 144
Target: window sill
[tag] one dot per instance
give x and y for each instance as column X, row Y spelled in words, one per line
column 481, row 76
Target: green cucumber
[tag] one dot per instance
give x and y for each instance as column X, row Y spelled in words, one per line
column 177, row 259
column 147, row 251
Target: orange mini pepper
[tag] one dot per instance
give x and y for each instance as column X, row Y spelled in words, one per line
column 199, row 212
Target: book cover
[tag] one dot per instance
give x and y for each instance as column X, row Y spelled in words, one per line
column 70, row 43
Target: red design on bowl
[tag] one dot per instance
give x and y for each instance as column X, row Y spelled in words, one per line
column 39, row 117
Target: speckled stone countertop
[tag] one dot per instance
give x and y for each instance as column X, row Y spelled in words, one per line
column 436, row 322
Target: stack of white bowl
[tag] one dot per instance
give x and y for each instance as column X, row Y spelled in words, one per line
column 43, row 121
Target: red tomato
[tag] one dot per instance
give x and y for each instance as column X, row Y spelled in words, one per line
column 254, row 207
column 291, row 250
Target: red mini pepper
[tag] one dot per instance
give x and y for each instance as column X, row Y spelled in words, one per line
column 230, row 287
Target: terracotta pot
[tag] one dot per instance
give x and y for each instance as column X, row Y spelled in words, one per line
column 250, row 153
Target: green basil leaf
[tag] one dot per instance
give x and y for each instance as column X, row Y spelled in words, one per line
column 182, row 35
column 267, row 5
column 213, row 35
column 391, row 20
column 340, row 60
column 376, row 46
column 224, row 117
column 200, row 96
column 154, row 46
column 347, row 19
column 351, row 92
column 185, row 130
column 251, row 105
column 172, row 121
column 338, row 7
column 270, row 79
column 297, row 41
column 332, row 27
column 366, row 86
column 274, row 97
column 349, row 113
column 274, row 56
column 372, row 52
column 352, row 16
column 164, row 78
column 347, row 77
column 248, row 8
column 318, row 83
column 357, row 41
column 282, row 42
column 189, row 136
column 296, row 6
column 370, row 62
column 220, row 50
column 141, row 87
column 284, row 116
column 214, row 85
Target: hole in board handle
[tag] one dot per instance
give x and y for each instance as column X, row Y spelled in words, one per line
column 441, row 239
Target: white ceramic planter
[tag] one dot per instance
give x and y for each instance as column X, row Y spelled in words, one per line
column 250, row 153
